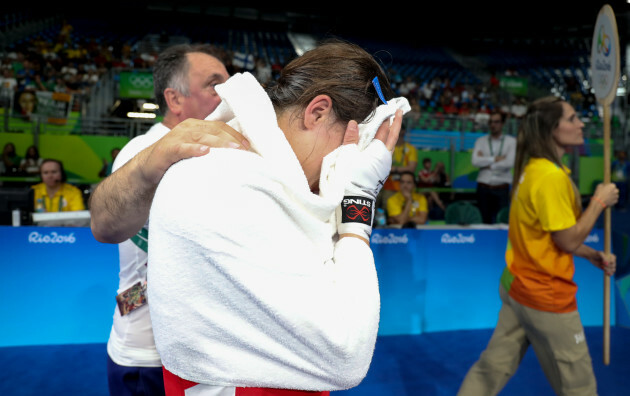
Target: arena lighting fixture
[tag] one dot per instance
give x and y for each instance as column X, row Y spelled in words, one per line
column 150, row 106
column 133, row 114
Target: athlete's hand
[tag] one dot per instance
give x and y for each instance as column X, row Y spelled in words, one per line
column 371, row 168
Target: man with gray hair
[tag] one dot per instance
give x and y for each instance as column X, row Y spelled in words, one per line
column 184, row 80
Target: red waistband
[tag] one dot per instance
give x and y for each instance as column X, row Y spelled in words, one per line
column 176, row 386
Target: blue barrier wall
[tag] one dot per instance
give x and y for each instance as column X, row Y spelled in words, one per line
column 448, row 279
column 57, row 285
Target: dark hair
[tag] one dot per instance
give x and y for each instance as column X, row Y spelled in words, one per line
column 339, row 69
column 410, row 173
column 499, row 113
column 426, row 159
column 535, row 139
column 36, row 152
column 64, row 177
column 12, row 148
column 171, row 69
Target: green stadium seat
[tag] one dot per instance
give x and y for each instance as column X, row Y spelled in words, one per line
column 462, row 213
column 503, row 217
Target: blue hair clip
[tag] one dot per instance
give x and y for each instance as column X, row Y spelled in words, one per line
column 377, row 86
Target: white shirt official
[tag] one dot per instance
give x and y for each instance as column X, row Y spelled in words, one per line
column 486, row 150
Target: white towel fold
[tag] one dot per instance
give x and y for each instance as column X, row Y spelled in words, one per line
column 247, row 108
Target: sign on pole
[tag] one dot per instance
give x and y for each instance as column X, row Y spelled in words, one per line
column 605, row 77
column 605, row 56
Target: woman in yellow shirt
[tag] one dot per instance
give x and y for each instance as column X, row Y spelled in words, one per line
column 53, row 194
column 547, row 228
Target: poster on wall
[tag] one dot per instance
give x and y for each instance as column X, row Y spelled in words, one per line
column 54, row 107
column 24, row 104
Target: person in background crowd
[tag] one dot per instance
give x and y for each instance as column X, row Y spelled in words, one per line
column 494, row 155
column 407, row 208
column 547, row 228
column 54, row 194
column 428, row 178
column 31, row 162
column 106, row 170
column 426, row 175
column 404, row 158
column 10, row 159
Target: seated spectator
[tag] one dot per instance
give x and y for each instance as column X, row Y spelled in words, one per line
column 433, row 178
column 406, row 207
column 10, row 160
column 106, row 170
column 426, row 176
column 8, row 84
column 263, row 71
column 31, row 162
column 404, row 159
column 518, row 109
column 440, row 178
column 54, row 194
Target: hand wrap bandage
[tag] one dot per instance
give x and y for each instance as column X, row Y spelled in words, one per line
column 371, row 168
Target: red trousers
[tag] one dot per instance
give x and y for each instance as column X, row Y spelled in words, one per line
column 176, row 386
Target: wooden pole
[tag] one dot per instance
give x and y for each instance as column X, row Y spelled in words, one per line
column 606, row 324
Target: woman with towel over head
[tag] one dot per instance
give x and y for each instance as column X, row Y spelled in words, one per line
column 262, row 281
column 547, row 228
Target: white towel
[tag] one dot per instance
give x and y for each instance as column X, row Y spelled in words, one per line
column 246, row 285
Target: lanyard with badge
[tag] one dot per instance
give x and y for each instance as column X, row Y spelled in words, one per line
column 43, row 204
column 136, row 295
column 500, row 147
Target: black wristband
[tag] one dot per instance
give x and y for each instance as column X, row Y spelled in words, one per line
column 356, row 209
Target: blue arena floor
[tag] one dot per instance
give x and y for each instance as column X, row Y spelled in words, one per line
column 431, row 364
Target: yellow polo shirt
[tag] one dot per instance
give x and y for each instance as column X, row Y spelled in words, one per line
column 538, row 273
column 396, row 203
column 68, row 198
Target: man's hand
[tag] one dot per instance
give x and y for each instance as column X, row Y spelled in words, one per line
column 190, row 138
column 120, row 204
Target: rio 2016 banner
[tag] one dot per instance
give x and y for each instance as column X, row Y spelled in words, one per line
column 442, row 279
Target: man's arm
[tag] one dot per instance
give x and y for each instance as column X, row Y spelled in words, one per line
column 506, row 161
column 410, row 167
column 420, row 217
column 120, row 204
column 478, row 159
